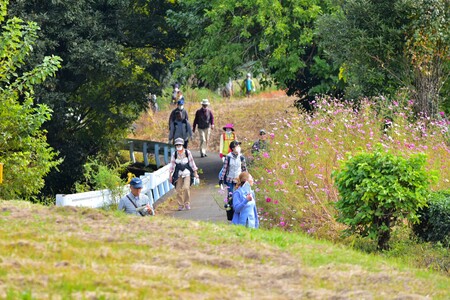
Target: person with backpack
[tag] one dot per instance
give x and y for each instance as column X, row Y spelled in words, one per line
column 204, row 119
column 182, row 171
column 176, row 89
column 180, row 128
column 233, row 164
column 225, row 139
column 180, row 107
column 248, row 85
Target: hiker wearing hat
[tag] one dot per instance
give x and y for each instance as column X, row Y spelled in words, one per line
column 204, row 119
column 234, row 163
column 180, row 107
column 180, row 128
column 182, row 172
column 248, row 85
column 135, row 202
column 261, row 143
column 225, row 139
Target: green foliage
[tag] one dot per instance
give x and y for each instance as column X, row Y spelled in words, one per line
column 114, row 53
column 383, row 46
column 99, row 176
column 428, row 49
column 24, row 150
column 367, row 39
column 378, row 189
column 434, row 219
column 229, row 38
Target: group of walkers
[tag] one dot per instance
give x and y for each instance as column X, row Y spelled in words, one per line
column 234, row 176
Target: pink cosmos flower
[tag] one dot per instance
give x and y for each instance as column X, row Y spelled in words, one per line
column 268, row 200
column 266, row 155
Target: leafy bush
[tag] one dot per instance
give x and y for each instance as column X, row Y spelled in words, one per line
column 98, row 176
column 294, row 178
column 434, row 219
column 377, row 189
column 24, row 151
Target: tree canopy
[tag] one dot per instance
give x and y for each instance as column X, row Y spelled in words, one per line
column 24, row 151
column 385, row 46
column 114, row 52
column 273, row 39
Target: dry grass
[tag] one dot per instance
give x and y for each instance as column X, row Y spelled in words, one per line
column 77, row 253
column 248, row 115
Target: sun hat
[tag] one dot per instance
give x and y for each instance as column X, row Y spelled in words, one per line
column 205, row 102
column 248, row 75
column 262, row 132
column 233, row 144
column 179, row 141
column 136, row 182
column 180, row 102
column 229, row 125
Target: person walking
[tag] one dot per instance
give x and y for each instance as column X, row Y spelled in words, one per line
column 248, row 85
column 136, row 203
column 176, row 89
column 233, row 164
column 180, row 128
column 182, row 172
column 180, row 107
column 204, row 119
column 225, row 139
column 244, row 202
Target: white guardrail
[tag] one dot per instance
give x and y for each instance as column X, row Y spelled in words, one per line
column 155, row 185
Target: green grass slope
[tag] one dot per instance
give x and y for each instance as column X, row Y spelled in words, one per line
column 79, row 253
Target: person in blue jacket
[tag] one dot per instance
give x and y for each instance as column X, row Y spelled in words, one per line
column 244, row 205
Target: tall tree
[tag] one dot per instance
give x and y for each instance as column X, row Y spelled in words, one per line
column 383, row 46
column 113, row 53
column 24, row 151
column 428, row 48
column 273, row 38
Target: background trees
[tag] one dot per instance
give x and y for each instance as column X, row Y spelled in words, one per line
column 26, row 155
column 113, row 53
column 271, row 38
column 385, row 46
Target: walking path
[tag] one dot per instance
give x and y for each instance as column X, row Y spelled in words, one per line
column 203, row 205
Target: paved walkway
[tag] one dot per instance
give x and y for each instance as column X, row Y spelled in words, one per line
column 203, row 205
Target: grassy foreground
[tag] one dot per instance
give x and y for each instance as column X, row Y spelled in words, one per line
column 80, row 253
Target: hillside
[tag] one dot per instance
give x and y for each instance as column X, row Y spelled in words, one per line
column 78, row 253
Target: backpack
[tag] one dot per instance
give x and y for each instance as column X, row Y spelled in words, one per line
column 178, row 168
column 228, row 163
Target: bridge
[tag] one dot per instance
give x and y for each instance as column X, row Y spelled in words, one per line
column 156, row 184
column 149, row 147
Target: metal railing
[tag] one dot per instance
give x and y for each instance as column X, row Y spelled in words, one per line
column 149, row 147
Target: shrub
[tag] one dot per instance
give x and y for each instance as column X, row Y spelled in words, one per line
column 434, row 219
column 24, row 150
column 377, row 189
column 98, row 176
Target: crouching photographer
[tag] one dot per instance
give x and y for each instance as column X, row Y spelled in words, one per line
column 136, row 203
